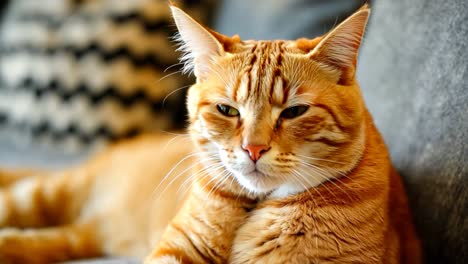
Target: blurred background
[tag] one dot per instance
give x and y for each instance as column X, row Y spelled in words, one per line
column 76, row 75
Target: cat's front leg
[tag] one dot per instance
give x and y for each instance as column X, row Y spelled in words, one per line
column 203, row 230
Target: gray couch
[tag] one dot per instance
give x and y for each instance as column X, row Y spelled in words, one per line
column 414, row 73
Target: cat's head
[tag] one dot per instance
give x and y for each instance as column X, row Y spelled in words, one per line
column 281, row 116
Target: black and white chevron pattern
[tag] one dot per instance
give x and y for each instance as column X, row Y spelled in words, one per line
column 73, row 73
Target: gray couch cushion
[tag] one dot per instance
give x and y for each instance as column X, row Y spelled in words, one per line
column 279, row 19
column 413, row 71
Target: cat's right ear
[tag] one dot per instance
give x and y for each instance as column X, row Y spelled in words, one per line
column 198, row 44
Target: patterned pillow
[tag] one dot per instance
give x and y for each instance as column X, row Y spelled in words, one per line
column 74, row 73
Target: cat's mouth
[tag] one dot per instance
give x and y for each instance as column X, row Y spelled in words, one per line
column 256, row 174
column 254, row 178
column 257, row 181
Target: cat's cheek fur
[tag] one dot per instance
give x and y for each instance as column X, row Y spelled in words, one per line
column 219, row 127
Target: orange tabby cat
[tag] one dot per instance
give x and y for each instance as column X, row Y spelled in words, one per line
column 288, row 123
column 288, row 168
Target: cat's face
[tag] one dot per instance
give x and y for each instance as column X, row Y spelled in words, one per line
column 278, row 114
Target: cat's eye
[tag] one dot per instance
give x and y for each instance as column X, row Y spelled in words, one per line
column 227, row 110
column 294, row 111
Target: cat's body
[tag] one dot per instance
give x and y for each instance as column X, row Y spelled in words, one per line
column 361, row 218
column 112, row 200
column 289, row 168
column 345, row 221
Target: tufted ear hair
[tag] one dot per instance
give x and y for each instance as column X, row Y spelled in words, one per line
column 339, row 48
column 198, row 44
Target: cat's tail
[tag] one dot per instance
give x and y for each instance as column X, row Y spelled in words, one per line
column 40, row 199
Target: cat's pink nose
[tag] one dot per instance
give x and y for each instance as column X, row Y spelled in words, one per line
column 256, row 151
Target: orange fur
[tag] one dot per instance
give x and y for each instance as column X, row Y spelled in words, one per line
column 322, row 190
column 355, row 212
column 110, row 205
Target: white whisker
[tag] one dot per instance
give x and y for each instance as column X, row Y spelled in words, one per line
column 173, row 65
column 297, row 174
column 318, row 192
column 189, row 168
column 221, row 181
column 190, row 155
column 327, row 160
column 171, row 93
column 168, row 75
column 184, row 136
column 213, row 178
column 327, row 176
column 205, row 169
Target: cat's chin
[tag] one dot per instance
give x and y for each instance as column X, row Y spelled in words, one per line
column 257, row 182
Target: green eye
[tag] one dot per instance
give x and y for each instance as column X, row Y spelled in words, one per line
column 227, row 110
column 294, row 111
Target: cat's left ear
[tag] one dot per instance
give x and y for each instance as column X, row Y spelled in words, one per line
column 198, row 43
column 339, row 48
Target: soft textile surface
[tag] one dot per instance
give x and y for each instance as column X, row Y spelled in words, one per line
column 276, row 19
column 414, row 77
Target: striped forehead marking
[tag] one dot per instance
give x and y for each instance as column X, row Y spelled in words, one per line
column 261, row 80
